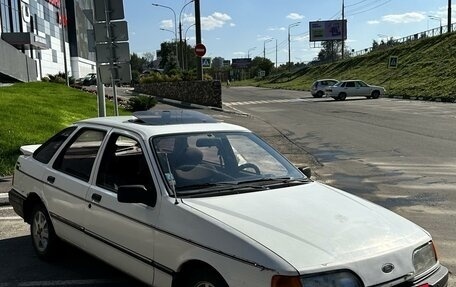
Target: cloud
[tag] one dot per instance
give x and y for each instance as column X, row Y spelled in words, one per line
column 232, row 25
column 300, row 38
column 410, row 17
column 167, row 24
column 277, row 29
column 295, row 16
column 373, row 22
column 239, row 53
column 216, row 20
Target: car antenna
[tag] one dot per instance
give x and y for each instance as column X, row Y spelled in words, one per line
column 171, row 180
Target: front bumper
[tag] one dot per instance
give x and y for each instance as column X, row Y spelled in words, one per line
column 438, row 278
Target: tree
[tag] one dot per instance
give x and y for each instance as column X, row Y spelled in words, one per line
column 137, row 63
column 261, row 64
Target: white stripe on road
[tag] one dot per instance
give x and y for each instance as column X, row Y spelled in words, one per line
column 6, row 208
column 59, row 283
column 10, row 218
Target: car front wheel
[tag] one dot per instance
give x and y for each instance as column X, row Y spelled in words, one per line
column 375, row 94
column 342, row 96
column 44, row 238
column 319, row 94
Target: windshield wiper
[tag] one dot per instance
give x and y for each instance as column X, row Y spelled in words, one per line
column 220, row 188
column 276, row 179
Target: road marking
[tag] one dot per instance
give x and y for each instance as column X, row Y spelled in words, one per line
column 10, row 218
column 6, row 208
column 88, row 282
column 229, row 104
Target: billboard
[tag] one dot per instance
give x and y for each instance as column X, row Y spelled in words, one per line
column 327, row 30
column 241, row 63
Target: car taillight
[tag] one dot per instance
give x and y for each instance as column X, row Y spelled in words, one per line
column 285, row 281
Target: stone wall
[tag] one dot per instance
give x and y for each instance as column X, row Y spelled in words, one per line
column 206, row 93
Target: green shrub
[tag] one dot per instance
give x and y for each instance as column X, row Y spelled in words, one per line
column 141, row 103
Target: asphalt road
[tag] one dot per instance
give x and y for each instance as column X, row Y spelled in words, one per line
column 400, row 154
column 396, row 153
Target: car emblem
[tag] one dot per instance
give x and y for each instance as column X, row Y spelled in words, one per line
column 388, row 268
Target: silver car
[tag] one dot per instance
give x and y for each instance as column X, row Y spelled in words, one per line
column 318, row 87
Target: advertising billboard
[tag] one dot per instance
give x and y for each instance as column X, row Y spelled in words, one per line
column 327, row 30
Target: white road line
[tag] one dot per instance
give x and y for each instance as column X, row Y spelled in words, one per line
column 6, row 208
column 88, row 282
column 7, row 218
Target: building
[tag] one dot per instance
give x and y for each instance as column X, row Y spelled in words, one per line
column 45, row 37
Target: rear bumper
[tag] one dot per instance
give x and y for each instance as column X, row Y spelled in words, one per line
column 16, row 200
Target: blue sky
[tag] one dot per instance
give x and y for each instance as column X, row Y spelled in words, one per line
column 234, row 28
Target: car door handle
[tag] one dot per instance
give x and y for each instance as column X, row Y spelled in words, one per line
column 96, row 197
column 50, row 179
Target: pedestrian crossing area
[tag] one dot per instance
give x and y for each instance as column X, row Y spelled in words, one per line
column 243, row 103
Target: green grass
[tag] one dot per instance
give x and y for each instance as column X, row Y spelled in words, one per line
column 427, row 68
column 32, row 112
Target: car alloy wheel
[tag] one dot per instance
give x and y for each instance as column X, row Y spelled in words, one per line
column 42, row 232
column 375, row 94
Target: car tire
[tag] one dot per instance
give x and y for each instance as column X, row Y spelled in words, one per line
column 342, row 96
column 44, row 239
column 375, row 94
column 204, row 278
column 319, row 94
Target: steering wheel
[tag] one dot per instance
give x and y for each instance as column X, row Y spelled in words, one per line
column 249, row 165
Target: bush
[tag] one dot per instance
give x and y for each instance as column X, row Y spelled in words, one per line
column 141, row 103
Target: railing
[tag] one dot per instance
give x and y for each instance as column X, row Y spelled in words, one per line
column 426, row 34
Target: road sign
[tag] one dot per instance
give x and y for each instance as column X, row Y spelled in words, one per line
column 119, row 52
column 120, row 73
column 119, row 31
column 393, row 61
column 200, row 50
column 115, row 8
column 206, row 62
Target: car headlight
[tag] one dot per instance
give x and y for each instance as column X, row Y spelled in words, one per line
column 335, row 279
column 424, row 257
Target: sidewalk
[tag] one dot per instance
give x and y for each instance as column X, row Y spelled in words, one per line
column 273, row 136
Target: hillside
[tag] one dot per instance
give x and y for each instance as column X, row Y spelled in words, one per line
column 427, row 68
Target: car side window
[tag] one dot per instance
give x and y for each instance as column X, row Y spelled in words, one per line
column 78, row 157
column 47, row 150
column 123, row 163
column 350, row 84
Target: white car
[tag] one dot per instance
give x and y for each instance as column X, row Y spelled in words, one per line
column 318, row 87
column 354, row 88
column 175, row 198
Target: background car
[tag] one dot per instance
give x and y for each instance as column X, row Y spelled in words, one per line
column 354, row 88
column 90, row 79
column 318, row 87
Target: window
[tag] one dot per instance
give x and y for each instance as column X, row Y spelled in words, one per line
column 45, row 152
column 350, row 84
column 123, row 163
column 78, row 157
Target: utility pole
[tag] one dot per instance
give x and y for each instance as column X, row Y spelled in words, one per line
column 343, row 29
column 449, row 16
column 199, row 66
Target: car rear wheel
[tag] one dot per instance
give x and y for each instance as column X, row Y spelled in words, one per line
column 319, row 94
column 42, row 232
column 375, row 94
column 342, row 96
column 204, row 278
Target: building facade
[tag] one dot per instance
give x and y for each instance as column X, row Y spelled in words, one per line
column 45, row 37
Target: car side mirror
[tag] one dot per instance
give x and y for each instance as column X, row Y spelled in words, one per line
column 136, row 194
column 306, row 171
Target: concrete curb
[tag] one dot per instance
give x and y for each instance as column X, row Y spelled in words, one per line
column 4, row 199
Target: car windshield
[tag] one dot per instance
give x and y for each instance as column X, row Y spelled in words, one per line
column 221, row 162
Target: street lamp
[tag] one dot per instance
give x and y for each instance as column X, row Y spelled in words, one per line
column 438, row 19
column 180, row 29
column 175, row 27
column 289, row 40
column 248, row 51
column 185, row 59
column 264, row 47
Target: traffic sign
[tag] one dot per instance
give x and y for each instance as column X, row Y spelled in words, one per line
column 206, row 62
column 118, row 31
column 200, row 50
column 393, row 61
column 120, row 73
column 115, row 8
column 116, row 52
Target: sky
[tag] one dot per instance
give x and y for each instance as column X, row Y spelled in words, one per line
column 241, row 28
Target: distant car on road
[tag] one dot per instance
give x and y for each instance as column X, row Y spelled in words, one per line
column 354, row 88
column 318, row 87
column 176, row 198
column 90, row 79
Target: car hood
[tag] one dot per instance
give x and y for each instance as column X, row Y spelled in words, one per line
column 313, row 226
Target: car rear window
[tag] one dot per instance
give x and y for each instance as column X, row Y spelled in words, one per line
column 45, row 152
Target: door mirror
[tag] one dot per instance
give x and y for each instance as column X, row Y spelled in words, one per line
column 136, row 194
column 306, row 171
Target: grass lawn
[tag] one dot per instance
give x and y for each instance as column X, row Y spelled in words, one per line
column 32, row 112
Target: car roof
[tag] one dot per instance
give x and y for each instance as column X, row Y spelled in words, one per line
column 326, row 80
column 162, row 122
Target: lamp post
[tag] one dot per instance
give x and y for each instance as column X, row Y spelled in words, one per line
column 264, row 47
column 289, row 45
column 175, row 28
column 248, row 51
column 180, row 30
column 184, row 59
column 438, row 19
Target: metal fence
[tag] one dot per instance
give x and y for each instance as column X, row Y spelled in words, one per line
column 426, row 34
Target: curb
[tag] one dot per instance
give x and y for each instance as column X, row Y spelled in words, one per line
column 4, row 200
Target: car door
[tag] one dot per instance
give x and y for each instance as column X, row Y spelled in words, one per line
column 122, row 233
column 363, row 89
column 66, row 183
column 350, row 89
